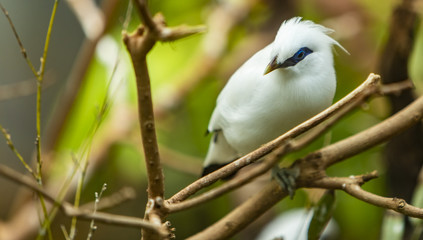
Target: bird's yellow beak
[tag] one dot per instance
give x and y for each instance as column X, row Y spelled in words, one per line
column 272, row 66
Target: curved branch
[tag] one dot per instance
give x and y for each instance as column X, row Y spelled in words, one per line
column 396, row 204
column 351, row 185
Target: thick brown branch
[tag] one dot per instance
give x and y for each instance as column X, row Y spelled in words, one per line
column 243, row 215
column 314, row 164
column 374, row 135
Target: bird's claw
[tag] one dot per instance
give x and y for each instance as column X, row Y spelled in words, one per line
column 286, row 179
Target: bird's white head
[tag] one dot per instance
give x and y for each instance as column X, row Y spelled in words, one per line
column 300, row 45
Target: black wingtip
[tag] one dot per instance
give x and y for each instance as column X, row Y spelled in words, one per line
column 215, row 166
column 211, row 168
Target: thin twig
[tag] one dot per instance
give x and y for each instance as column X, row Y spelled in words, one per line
column 40, row 77
column 93, row 228
column 351, row 185
column 396, row 204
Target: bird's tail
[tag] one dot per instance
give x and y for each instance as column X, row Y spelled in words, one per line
column 220, row 153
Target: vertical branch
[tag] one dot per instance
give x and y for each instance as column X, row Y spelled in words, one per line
column 148, row 131
column 139, row 44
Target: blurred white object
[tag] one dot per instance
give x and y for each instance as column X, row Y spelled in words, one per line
column 293, row 225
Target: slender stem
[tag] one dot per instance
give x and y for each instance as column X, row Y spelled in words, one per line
column 96, row 201
column 40, row 76
column 47, row 42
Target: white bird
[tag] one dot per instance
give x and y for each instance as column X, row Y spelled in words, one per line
column 279, row 87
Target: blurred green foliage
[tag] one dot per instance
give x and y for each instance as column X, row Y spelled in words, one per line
column 183, row 128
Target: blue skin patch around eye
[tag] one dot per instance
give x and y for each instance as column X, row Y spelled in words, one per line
column 297, row 57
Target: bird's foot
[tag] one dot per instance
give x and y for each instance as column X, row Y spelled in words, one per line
column 286, row 178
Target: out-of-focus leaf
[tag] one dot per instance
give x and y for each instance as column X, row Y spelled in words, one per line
column 322, row 213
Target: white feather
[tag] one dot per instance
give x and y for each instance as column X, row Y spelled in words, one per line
column 254, row 108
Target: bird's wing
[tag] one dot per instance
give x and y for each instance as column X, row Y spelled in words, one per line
column 231, row 106
column 239, row 89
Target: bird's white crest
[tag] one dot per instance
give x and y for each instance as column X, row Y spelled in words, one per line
column 254, row 108
column 296, row 33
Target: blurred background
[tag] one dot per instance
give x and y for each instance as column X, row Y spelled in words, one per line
column 88, row 68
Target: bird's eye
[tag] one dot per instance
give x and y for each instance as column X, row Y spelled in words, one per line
column 300, row 54
column 297, row 57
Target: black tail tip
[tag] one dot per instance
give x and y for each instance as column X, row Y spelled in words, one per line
column 215, row 166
